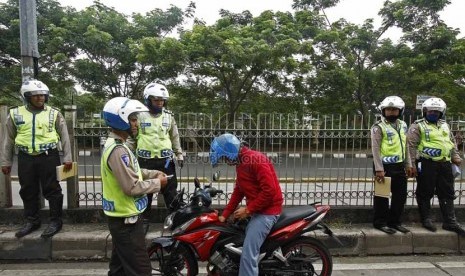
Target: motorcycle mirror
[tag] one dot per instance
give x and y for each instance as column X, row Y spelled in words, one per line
column 197, row 182
column 216, row 176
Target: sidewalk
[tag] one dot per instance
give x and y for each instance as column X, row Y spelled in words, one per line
column 93, row 242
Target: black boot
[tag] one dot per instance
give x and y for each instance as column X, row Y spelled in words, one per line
column 424, row 207
column 56, row 212
column 53, row 228
column 448, row 217
column 27, row 228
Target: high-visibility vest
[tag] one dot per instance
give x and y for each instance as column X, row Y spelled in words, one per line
column 393, row 144
column 115, row 202
column 35, row 132
column 435, row 143
column 153, row 139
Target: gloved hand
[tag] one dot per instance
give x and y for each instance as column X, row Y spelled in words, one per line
column 68, row 166
column 180, row 163
column 6, row 170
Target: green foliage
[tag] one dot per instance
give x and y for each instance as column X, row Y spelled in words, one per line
column 297, row 62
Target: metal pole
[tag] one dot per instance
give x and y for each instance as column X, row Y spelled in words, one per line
column 28, row 36
column 72, row 183
column 6, row 199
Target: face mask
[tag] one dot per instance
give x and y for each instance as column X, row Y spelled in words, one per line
column 156, row 109
column 391, row 118
column 433, row 118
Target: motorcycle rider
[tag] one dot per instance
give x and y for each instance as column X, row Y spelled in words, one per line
column 391, row 159
column 431, row 139
column 125, row 186
column 256, row 180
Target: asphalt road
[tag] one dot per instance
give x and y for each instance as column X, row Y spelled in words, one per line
column 416, row 265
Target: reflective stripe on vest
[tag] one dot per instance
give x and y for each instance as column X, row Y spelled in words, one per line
column 153, row 139
column 115, row 202
column 393, row 144
column 35, row 131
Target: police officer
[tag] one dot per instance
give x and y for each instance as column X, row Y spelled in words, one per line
column 431, row 139
column 158, row 141
column 125, row 186
column 36, row 129
column 390, row 158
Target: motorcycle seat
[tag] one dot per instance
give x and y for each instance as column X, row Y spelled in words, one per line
column 292, row 214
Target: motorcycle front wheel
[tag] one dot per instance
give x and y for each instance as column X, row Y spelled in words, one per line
column 180, row 262
column 308, row 256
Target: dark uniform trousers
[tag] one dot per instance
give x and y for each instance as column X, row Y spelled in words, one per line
column 383, row 215
column 129, row 256
column 38, row 172
column 170, row 190
column 436, row 177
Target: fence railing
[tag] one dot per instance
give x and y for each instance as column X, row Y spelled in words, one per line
column 318, row 158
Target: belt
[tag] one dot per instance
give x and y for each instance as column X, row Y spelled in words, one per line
column 126, row 220
column 440, row 161
column 35, row 153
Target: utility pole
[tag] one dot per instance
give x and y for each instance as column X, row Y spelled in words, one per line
column 28, row 35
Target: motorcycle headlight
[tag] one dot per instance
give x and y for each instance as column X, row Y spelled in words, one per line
column 168, row 221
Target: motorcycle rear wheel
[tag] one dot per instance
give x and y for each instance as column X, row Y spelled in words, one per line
column 183, row 262
column 308, row 256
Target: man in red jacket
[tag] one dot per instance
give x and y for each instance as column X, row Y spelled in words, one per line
column 256, row 180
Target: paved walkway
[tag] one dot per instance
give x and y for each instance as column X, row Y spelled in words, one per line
column 93, row 242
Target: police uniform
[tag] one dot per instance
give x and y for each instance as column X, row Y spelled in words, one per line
column 435, row 145
column 36, row 133
column 124, row 199
column 157, row 144
column 391, row 156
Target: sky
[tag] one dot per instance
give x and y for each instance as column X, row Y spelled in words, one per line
column 354, row 11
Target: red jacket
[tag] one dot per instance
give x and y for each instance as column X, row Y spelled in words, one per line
column 256, row 180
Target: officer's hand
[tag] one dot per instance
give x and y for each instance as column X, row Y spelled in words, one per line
column 163, row 181
column 221, row 219
column 68, row 166
column 379, row 177
column 413, row 172
column 181, row 163
column 6, row 170
column 457, row 161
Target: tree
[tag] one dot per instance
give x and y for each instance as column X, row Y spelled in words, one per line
column 108, row 44
column 241, row 57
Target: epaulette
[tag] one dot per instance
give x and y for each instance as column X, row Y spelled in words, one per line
column 118, row 141
column 377, row 123
column 12, row 107
column 419, row 121
column 168, row 111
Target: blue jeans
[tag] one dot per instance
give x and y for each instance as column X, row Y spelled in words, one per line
column 255, row 234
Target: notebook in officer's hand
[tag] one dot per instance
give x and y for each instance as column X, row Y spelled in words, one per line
column 383, row 189
column 61, row 174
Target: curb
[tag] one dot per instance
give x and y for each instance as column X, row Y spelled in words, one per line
column 93, row 242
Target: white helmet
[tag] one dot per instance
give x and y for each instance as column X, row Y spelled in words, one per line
column 434, row 104
column 156, row 90
column 34, row 87
column 392, row 101
column 117, row 110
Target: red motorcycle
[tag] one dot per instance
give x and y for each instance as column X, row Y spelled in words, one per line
column 196, row 235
